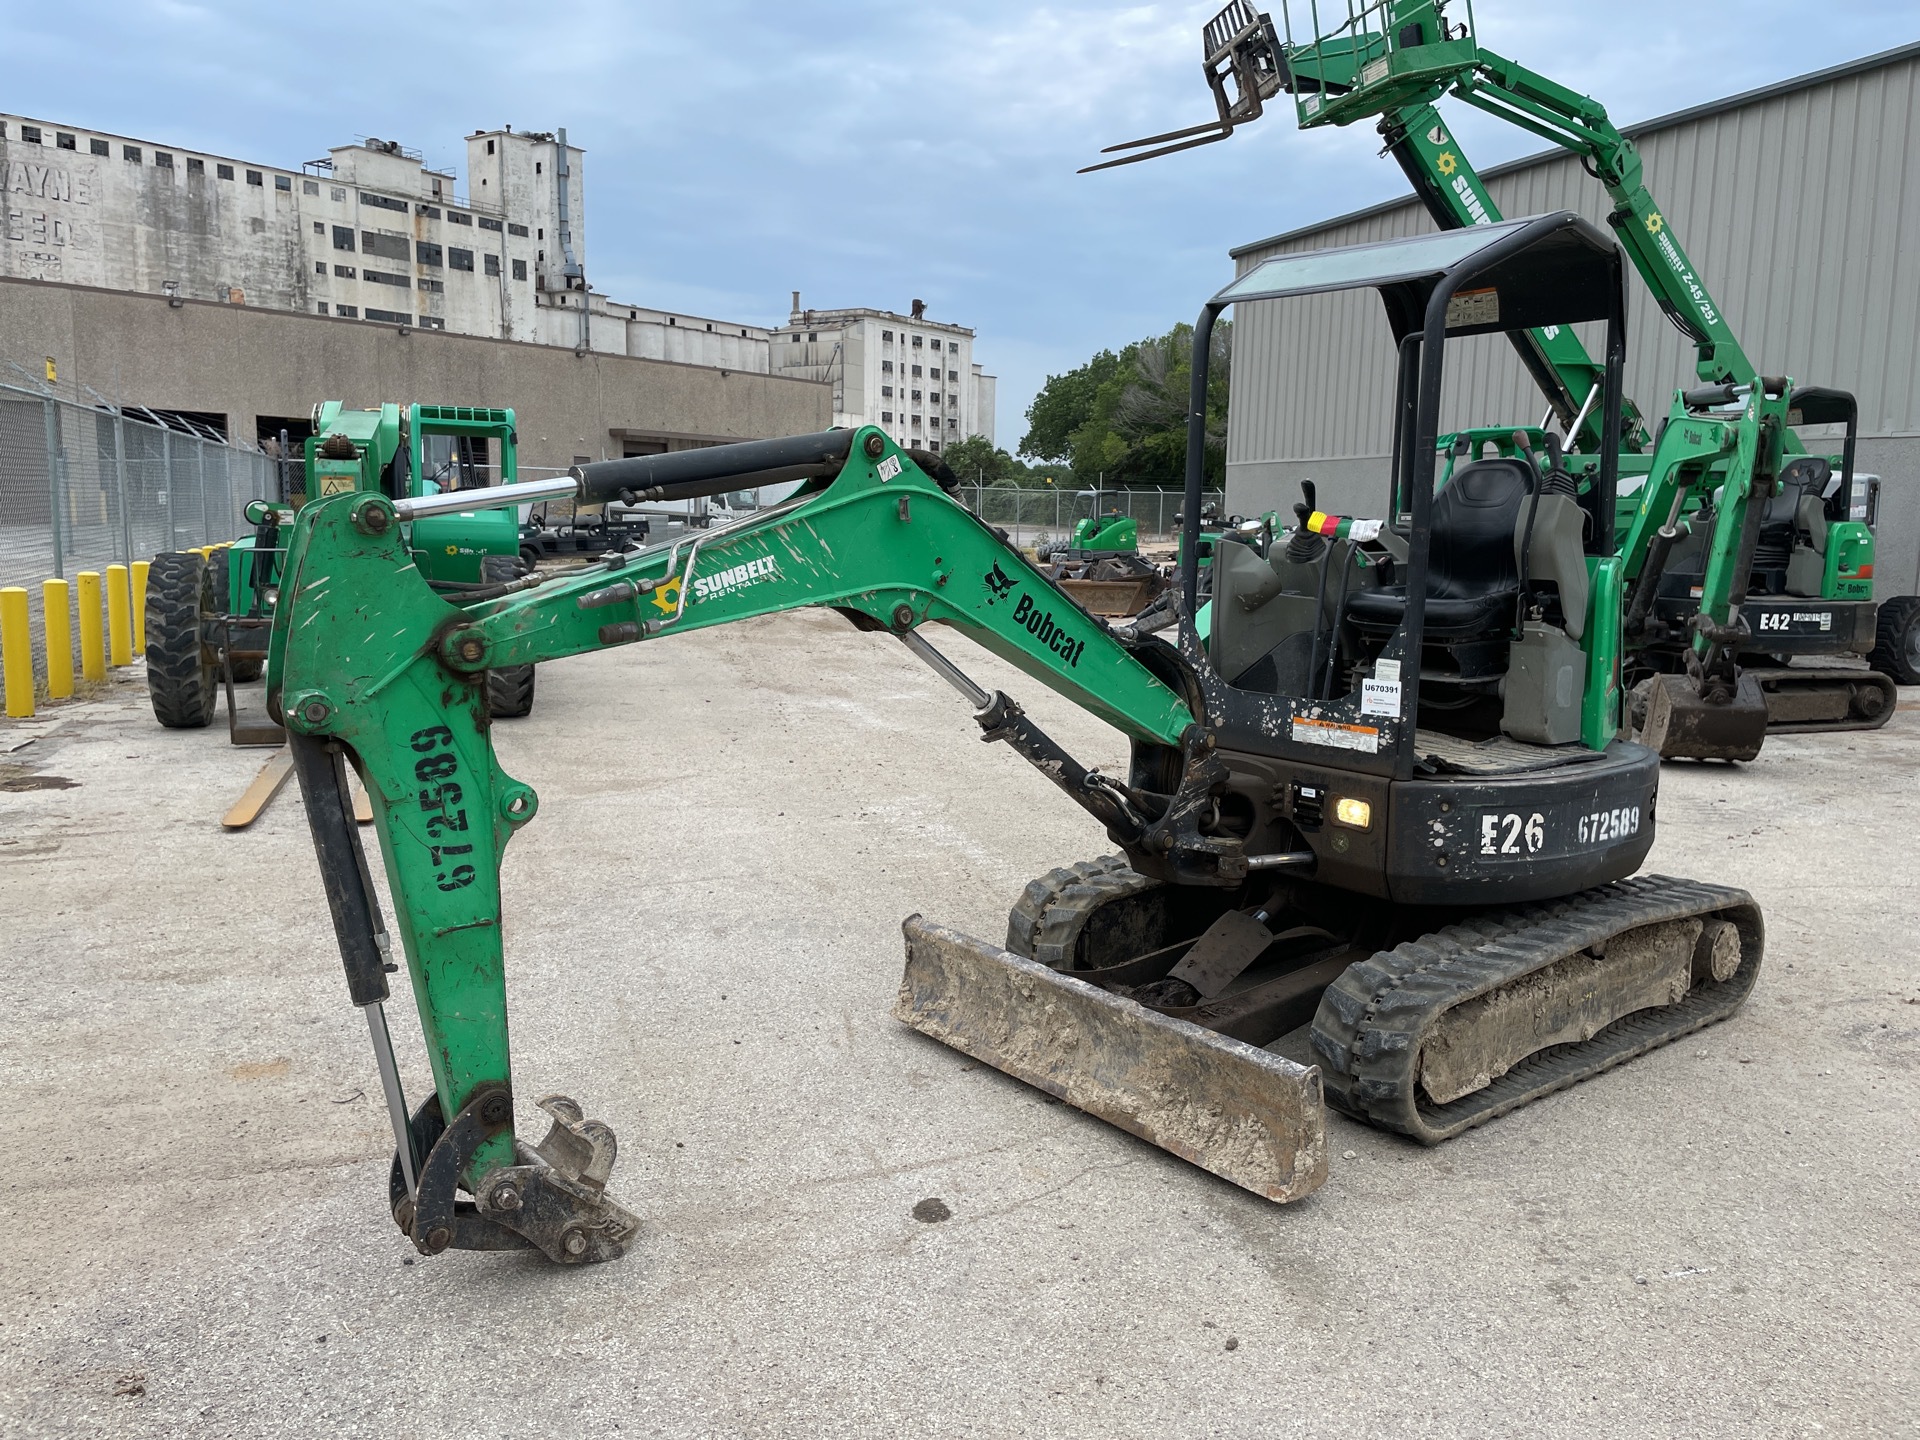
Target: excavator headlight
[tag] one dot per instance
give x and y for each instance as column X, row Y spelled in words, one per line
column 1355, row 813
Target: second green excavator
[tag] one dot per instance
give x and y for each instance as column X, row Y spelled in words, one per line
column 1739, row 554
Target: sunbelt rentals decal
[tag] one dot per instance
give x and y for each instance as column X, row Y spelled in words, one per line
column 735, row 577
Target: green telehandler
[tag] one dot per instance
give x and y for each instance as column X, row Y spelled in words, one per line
column 1384, row 797
column 207, row 618
column 1714, row 610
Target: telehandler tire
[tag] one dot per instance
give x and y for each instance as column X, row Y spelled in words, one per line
column 1896, row 650
column 181, row 673
column 510, row 688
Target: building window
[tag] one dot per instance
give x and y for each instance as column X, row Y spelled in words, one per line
column 934, row 397
column 519, row 230
column 347, row 312
column 319, row 267
column 30, row 134
column 319, row 228
column 432, row 212
column 432, row 322
column 953, row 374
column 196, row 166
column 488, row 224
column 936, row 344
column 434, row 287
column 813, row 339
column 458, row 259
column 99, row 147
column 381, row 277
column 886, row 334
column 933, row 444
column 337, row 194
column 886, row 417
column 380, row 202
column 916, row 394
column 392, row 317
column 536, row 167
column 131, row 152
column 342, row 237
column 224, row 172
column 321, row 307
column 519, row 269
column 454, row 217
column 310, row 187
column 916, row 372
column 917, row 341
column 428, row 253
column 795, row 337
column 916, row 422
column 345, row 272
column 283, row 182
column 254, row 177
column 393, row 247
column 163, row 159
column 542, row 234
column 886, row 367
column 490, row 147
column 887, row 391
column 65, row 141
column 493, row 264
column 953, row 424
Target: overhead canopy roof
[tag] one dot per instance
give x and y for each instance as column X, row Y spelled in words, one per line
column 1563, row 275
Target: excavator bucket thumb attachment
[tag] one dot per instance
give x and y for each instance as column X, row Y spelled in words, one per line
column 1250, row 1116
column 1682, row 724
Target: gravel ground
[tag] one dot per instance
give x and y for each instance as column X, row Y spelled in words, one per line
column 1719, row 1239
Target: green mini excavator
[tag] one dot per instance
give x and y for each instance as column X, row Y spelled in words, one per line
column 1739, row 555
column 1383, row 799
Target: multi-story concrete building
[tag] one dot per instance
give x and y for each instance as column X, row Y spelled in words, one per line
column 914, row 376
column 374, row 233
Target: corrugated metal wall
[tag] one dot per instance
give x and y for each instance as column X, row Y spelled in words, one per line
column 1797, row 207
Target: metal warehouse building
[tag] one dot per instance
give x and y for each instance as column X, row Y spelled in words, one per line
column 1799, row 205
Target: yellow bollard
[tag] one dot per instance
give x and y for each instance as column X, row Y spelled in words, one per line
column 140, row 568
column 16, row 652
column 93, row 650
column 56, row 604
column 119, row 623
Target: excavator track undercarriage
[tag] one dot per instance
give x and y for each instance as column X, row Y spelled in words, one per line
column 1422, row 1021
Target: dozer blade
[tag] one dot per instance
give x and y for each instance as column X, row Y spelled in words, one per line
column 1249, row 1116
column 1682, row 725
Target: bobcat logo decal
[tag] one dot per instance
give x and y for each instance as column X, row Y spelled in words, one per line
column 999, row 583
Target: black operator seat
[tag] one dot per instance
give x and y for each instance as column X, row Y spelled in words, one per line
column 1473, row 578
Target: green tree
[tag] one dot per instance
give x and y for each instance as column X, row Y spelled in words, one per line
column 1125, row 415
column 977, row 461
column 1063, row 406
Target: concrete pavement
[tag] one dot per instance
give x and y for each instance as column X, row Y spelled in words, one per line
column 702, row 938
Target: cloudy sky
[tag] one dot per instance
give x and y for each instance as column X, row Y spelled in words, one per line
column 864, row 153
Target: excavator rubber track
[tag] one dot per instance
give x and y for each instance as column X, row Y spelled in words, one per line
column 1805, row 701
column 1378, row 1023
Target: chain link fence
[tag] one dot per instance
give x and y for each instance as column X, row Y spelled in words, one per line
column 1032, row 517
column 84, row 488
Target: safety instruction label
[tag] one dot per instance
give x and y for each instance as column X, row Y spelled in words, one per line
column 1341, row 737
column 1380, row 697
column 1473, row 307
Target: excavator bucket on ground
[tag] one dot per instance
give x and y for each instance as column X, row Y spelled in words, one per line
column 1246, row 1114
